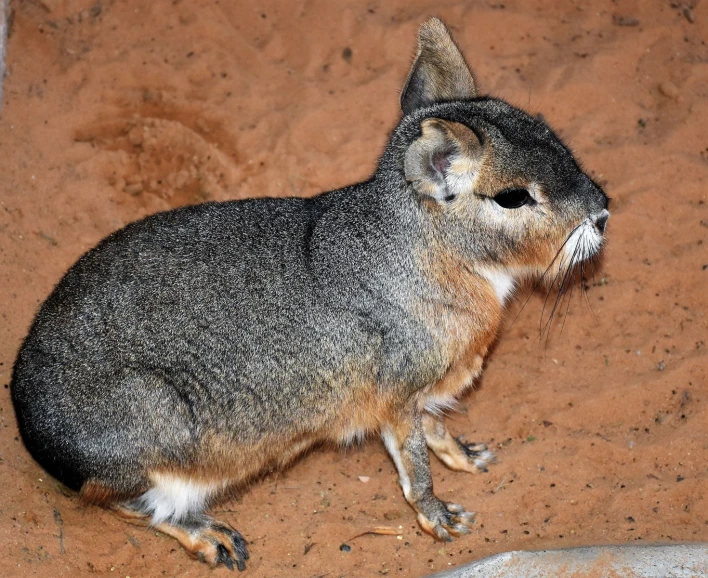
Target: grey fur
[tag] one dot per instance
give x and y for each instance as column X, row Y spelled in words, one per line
column 255, row 319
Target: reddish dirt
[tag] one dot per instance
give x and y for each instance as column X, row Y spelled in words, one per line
column 120, row 108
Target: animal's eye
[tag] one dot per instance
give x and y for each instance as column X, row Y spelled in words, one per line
column 513, row 198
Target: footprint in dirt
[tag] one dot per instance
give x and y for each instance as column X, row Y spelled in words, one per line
column 154, row 159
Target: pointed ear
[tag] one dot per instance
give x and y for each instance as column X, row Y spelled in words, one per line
column 439, row 71
column 441, row 163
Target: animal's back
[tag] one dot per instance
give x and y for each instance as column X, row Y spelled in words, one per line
column 208, row 320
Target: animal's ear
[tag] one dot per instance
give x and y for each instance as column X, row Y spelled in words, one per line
column 441, row 164
column 439, row 71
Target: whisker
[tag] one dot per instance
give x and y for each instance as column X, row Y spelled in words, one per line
column 537, row 284
column 567, row 274
column 585, row 291
column 565, row 271
column 548, row 296
column 567, row 308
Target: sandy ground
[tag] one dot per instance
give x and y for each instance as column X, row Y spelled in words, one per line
column 116, row 109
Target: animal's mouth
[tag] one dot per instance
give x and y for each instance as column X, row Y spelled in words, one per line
column 580, row 247
column 586, row 240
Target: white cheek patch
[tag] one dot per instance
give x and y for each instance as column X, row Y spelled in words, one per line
column 389, row 440
column 502, row 283
column 174, row 498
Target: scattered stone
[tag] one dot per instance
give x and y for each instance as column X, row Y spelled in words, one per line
column 688, row 14
column 45, row 5
column 135, row 136
column 134, row 188
column 345, row 548
column 669, row 89
column 662, row 417
column 48, row 238
column 347, row 54
column 180, row 179
column 624, row 21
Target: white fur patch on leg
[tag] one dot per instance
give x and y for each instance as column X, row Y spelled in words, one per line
column 438, row 405
column 352, row 436
column 389, row 440
column 174, row 498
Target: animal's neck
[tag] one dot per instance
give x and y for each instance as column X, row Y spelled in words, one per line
column 366, row 233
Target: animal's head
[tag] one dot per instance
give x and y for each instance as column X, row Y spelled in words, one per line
column 500, row 185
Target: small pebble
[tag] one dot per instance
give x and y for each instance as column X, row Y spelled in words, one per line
column 134, row 189
column 345, row 548
column 625, row 21
column 135, row 136
column 669, row 89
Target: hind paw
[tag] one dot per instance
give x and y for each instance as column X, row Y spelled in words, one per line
column 209, row 541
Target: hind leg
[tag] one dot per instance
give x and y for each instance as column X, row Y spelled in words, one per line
column 175, row 506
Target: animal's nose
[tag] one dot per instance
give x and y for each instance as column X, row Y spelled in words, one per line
column 601, row 220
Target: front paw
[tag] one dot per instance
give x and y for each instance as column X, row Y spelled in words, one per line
column 441, row 519
column 477, row 454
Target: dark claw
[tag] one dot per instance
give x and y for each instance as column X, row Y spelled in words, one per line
column 222, row 555
column 472, row 449
column 478, row 453
column 239, row 544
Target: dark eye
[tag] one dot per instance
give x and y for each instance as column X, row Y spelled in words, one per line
column 513, row 198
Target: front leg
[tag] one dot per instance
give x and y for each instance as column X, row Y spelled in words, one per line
column 455, row 453
column 405, row 442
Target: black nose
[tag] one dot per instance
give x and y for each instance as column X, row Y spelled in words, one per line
column 601, row 220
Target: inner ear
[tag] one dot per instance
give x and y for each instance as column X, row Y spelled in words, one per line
column 439, row 71
column 442, row 161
